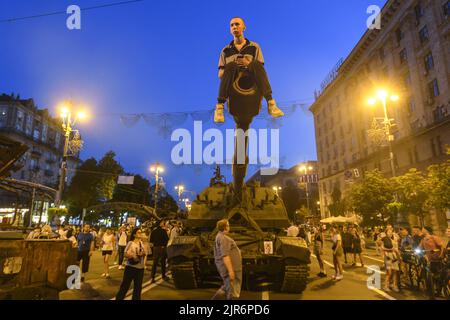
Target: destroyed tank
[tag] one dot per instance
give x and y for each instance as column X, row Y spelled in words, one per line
column 29, row 269
column 257, row 218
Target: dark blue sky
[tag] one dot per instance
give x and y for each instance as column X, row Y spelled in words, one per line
column 161, row 56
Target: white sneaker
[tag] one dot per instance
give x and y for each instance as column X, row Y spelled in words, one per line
column 121, row 268
column 218, row 113
column 339, row 277
column 273, row 109
column 103, row 274
column 115, row 263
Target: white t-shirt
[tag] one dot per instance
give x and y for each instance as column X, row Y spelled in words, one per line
column 123, row 239
column 337, row 237
column 108, row 242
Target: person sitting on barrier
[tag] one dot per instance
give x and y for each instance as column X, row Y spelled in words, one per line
column 242, row 53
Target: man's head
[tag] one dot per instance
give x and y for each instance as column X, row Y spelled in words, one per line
column 416, row 231
column 404, row 232
column 86, row 228
column 223, row 225
column 237, row 27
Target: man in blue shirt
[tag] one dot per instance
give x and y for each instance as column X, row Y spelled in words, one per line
column 85, row 249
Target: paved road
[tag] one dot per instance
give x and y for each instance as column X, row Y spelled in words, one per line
column 352, row 287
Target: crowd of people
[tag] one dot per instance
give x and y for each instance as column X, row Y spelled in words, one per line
column 349, row 241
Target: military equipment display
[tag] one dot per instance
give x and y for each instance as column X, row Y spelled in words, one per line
column 257, row 218
column 29, row 269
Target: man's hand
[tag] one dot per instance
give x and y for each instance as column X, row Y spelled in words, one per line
column 90, row 253
column 243, row 61
column 231, row 275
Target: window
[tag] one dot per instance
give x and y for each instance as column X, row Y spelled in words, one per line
column 439, row 145
column 433, row 147
column 3, row 116
column 410, row 156
column 318, row 132
column 440, row 114
column 28, row 124
column 416, row 154
column 429, row 62
column 412, row 105
column 433, row 89
column 37, row 131
column 19, row 120
column 341, row 131
column 446, row 8
column 407, row 81
column 423, row 34
column 44, row 133
column 403, row 56
column 399, row 35
column 57, row 139
column 381, row 53
column 419, row 12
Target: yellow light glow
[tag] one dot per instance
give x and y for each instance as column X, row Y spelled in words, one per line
column 395, row 97
column 382, row 94
column 371, row 101
column 302, row 168
column 81, row 115
column 310, row 168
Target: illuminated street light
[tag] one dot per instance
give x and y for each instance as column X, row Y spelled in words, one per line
column 157, row 168
column 304, row 169
column 382, row 95
column 68, row 121
column 180, row 190
column 276, row 189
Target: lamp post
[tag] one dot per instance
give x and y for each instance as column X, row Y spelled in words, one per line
column 304, row 169
column 156, row 168
column 68, row 121
column 382, row 96
column 180, row 190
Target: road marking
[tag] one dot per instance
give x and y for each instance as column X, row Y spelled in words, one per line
column 265, row 295
column 374, row 259
column 382, row 293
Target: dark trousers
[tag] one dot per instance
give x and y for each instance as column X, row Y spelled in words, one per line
column 230, row 73
column 121, row 254
column 159, row 256
column 83, row 256
column 131, row 274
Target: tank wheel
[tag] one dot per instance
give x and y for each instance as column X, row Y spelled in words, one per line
column 184, row 275
column 295, row 278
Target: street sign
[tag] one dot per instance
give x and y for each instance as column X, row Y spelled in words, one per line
column 125, row 180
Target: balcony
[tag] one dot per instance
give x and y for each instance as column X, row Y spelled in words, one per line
column 440, row 114
column 36, row 152
column 34, row 168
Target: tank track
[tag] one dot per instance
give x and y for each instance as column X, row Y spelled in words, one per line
column 184, row 275
column 295, row 278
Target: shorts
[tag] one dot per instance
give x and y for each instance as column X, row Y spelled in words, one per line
column 233, row 290
column 348, row 250
column 106, row 252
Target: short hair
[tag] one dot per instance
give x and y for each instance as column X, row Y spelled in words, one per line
column 416, row 227
column 243, row 21
column 222, row 224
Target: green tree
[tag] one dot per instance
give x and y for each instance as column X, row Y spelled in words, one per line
column 110, row 170
column 411, row 193
column 337, row 207
column 138, row 192
column 82, row 192
column 371, row 198
column 166, row 204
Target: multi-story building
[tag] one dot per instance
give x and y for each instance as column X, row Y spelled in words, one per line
column 22, row 121
column 409, row 55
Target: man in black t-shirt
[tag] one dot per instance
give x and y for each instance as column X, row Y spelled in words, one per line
column 159, row 238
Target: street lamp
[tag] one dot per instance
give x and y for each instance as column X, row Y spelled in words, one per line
column 382, row 96
column 157, row 169
column 276, row 189
column 305, row 169
column 68, row 121
column 180, row 190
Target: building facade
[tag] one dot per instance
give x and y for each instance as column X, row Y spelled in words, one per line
column 22, row 121
column 410, row 56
